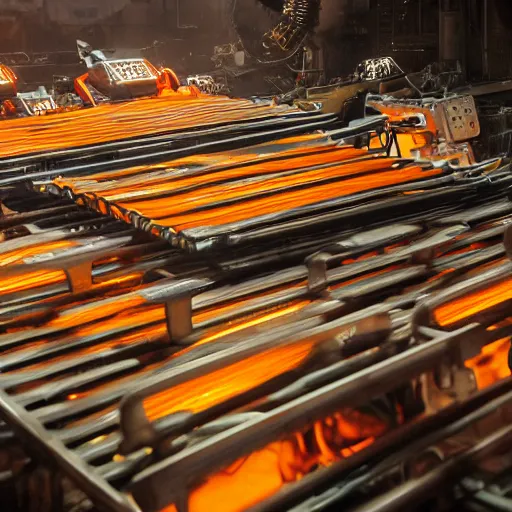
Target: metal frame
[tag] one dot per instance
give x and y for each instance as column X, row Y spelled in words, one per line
column 55, row 452
column 169, row 481
column 138, row 431
column 165, row 482
column 76, row 262
column 334, row 483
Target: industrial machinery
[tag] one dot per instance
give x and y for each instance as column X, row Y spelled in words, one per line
column 124, row 79
column 295, row 21
column 300, row 303
column 237, row 305
column 14, row 103
column 107, row 80
column 8, row 90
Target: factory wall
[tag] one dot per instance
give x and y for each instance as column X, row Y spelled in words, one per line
column 414, row 32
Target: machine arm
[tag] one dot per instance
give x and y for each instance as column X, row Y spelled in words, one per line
column 298, row 19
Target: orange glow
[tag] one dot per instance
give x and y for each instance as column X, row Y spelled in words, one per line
column 181, row 203
column 82, row 90
column 246, row 482
column 210, row 161
column 264, row 472
column 491, row 365
column 124, row 319
column 347, row 452
column 409, row 143
column 471, row 247
column 220, row 310
column 420, row 141
column 31, row 280
column 294, row 199
column 363, row 257
column 240, row 184
column 7, row 75
column 473, row 303
column 145, row 116
column 244, row 324
column 364, row 277
column 94, row 311
column 349, row 426
column 165, row 183
column 16, row 256
column 199, row 394
column 40, row 278
column 123, row 341
column 399, row 112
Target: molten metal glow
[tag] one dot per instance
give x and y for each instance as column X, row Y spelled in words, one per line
column 7, row 75
column 204, row 392
column 75, row 317
column 263, row 473
column 473, row 303
column 134, row 119
column 293, row 199
column 159, row 208
column 31, row 281
column 207, row 161
column 167, row 182
column 17, row 256
column 491, row 365
column 257, row 320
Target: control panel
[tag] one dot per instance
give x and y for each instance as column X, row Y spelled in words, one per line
column 457, row 118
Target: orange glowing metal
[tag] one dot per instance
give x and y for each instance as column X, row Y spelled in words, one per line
column 183, row 202
column 41, row 278
column 397, row 113
column 233, row 158
column 7, row 75
column 214, row 312
column 16, row 256
column 491, row 365
column 473, row 303
column 151, row 186
column 133, row 119
column 123, row 341
column 364, row 277
column 246, row 482
column 294, row 199
column 363, row 257
column 124, row 319
column 93, row 311
column 347, row 452
column 260, row 475
column 206, row 391
column 258, row 320
column 350, row 426
column 409, row 143
column 440, row 275
column 472, row 247
column 31, row 280
column 225, row 308
column 487, row 266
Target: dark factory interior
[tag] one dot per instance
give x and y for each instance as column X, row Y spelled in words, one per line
column 255, row 255
column 183, row 34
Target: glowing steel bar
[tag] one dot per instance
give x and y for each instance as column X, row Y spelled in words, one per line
column 217, row 387
column 473, row 303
